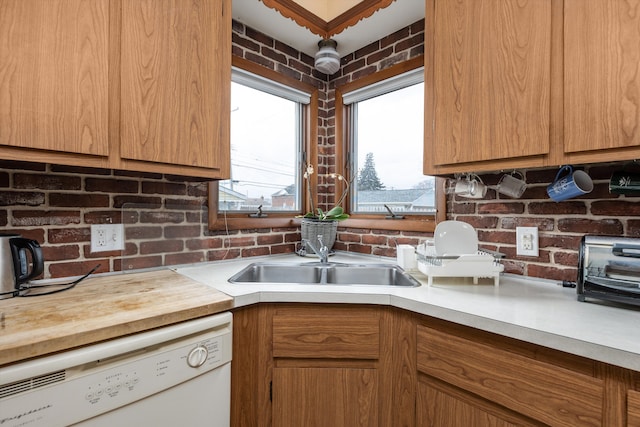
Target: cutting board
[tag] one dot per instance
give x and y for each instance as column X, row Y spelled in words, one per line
column 102, row 308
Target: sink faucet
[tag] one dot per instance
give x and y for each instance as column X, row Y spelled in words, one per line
column 322, row 251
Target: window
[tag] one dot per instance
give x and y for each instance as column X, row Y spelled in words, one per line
column 266, row 147
column 384, row 150
column 269, row 138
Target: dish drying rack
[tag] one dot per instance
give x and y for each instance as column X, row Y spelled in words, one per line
column 485, row 264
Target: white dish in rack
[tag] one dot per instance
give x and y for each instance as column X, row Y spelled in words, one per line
column 455, row 238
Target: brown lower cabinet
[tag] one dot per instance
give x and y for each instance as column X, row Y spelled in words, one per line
column 528, row 386
column 443, row 406
column 366, row 365
column 326, row 366
column 325, row 396
column 313, row 365
column 633, row 409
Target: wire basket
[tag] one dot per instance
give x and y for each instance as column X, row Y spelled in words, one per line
column 311, row 229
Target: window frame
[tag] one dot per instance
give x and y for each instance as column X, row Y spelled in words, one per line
column 219, row 220
column 414, row 222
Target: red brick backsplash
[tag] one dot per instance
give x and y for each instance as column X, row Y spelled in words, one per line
column 165, row 216
column 561, row 225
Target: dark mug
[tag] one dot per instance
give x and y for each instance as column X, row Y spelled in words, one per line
column 573, row 184
column 625, row 182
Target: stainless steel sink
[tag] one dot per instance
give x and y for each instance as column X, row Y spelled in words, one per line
column 368, row 274
column 278, row 273
column 325, row 274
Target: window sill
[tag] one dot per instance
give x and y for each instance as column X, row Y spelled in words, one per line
column 425, row 225
column 245, row 223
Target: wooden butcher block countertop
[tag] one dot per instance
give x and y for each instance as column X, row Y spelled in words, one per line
column 101, row 308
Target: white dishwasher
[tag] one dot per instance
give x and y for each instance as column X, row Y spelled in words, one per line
column 178, row 375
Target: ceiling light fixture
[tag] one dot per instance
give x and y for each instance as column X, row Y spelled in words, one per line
column 327, row 58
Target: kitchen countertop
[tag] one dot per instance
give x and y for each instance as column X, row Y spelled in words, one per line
column 101, row 308
column 532, row 310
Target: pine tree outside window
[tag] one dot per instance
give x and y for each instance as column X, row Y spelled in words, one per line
column 368, row 177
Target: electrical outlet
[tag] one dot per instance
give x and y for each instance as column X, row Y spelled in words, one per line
column 107, row 237
column 527, row 241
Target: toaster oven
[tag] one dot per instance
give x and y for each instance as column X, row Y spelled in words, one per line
column 609, row 269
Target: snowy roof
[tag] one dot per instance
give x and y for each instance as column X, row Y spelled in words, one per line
column 227, row 194
column 417, row 197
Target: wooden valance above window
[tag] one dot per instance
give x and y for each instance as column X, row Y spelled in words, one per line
column 326, row 28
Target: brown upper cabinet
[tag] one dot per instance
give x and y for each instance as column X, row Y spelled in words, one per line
column 491, row 82
column 601, row 80
column 54, row 77
column 514, row 84
column 136, row 85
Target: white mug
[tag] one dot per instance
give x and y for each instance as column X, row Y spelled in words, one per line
column 406, row 257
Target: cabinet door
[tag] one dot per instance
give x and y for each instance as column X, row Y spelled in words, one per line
column 602, row 83
column 328, row 366
column 491, row 81
column 440, row 407
column 325, row 397
column 633, row 408
column 54, row 75
column 175, row 86
column 550, row 394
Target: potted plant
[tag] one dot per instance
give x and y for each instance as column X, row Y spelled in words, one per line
column 318, row 222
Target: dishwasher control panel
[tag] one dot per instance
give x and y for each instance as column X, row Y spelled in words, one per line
column 140, row 377
column 103, row 384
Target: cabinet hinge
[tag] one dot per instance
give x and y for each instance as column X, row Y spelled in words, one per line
column 270, row 391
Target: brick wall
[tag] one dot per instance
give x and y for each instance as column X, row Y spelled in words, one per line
column 560, row 225
column 165, row 216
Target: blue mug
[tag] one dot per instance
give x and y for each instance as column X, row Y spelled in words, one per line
column 573, row 184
